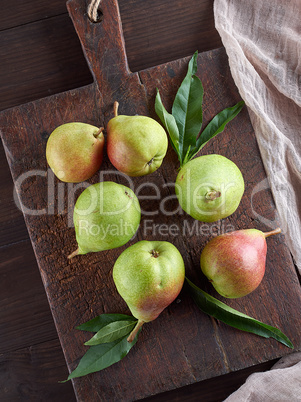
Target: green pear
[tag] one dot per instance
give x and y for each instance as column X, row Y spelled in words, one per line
column 106, row 215
column 235, row 262
column 136, row 145
column 74, row 151
column 148, row 275
column 209, row 187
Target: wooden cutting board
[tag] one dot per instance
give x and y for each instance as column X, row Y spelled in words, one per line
column 183, row 346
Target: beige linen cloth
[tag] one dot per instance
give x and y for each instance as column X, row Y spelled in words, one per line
column 263, row 42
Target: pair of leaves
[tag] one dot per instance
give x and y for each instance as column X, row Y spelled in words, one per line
column 217, row 309
column 185, row 122
column 108, row 346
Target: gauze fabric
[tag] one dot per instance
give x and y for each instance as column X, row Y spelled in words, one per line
column 262, row 39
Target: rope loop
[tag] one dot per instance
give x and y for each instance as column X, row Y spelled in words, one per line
column 93, row 10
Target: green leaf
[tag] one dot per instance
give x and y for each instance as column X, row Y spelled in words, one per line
column 169, row 123
column 102, row 356
column 111, row 332
column 234, row 318
column 102, row 320
column 216, row 126
column 187, row 108
column 185, row 122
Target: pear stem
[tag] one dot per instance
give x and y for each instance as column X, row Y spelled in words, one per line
column 272, row 232
column 96, row 135
column 212, row 195
column 155, row 253
column 73, row 254
column 116, row 104
column 132, row 335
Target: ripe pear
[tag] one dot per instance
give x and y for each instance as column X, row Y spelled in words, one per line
column 148, row 275
column 136, row 145
column 235, row 262
column 74, row 151
column 209, row 187
column 106, row 215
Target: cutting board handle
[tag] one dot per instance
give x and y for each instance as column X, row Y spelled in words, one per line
column 102, row 43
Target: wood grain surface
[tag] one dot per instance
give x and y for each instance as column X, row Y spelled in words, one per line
column 156, row 364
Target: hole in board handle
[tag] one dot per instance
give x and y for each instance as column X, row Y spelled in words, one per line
column 94, row 11
column 99, row 17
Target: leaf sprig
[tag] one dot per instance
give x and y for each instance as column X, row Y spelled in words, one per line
column 108, row 346
column 185, row 122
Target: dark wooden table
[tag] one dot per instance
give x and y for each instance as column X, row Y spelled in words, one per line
column 41, row 55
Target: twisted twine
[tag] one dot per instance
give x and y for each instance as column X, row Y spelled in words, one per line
column 93, row 10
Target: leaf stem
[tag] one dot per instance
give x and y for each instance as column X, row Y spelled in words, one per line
column 132, row 335
column 272, row 232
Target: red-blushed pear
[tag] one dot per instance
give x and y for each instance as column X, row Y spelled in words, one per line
column 74, row 151
column 136, row 145
column 148, row 275
column 235, row 262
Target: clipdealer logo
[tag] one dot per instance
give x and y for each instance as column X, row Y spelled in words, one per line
column 59, row 198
